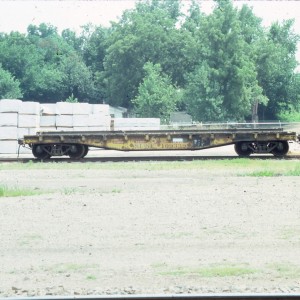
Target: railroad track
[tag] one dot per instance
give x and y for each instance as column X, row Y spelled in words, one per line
column 171, row 297
column 139, row 158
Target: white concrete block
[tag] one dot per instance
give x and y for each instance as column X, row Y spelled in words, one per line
column 9, row 119
column 64, row 121
column 47, row 121
column 24, row 150
column 99, row 120
column 137, row 122
column 48, row 109
column 100, row 108
column 64, row 129
column 135, row 128
column 22, row 131
column 99, row 128
column 45, row 129
column 8, row 147
column 81, row 128
column 8, row 133
column 33, row 131
column 64, row 108
column 81, row 108
column 29, row 121
column 29, row 108
column 80, row 120
column 10, row 105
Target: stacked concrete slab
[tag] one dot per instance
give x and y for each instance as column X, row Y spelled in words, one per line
column 48, row 117
column 64, row 116
column 19, row 118
column 99, row 118
column 136, row 124
column 9, row 110
column 28, row 120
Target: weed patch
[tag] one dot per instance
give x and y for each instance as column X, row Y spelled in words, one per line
column 215, row 270
column 91, row 277
column 6, row 191
column 249, row 166
column 285, row 270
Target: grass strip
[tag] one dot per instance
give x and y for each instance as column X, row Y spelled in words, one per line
column 212, row 271
column 236, row 166
column 6, row 191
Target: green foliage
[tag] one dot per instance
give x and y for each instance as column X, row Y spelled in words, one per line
column 145, row 34
column 224, row 85
column 214, row 270
column 226, row 64
column 236, row 166
column 157, row 97
column 276, row 64
column 285, row 270
column 291, row 115
column 9, row 87
column 292, row 171
column 72, row 99
column 6, row 191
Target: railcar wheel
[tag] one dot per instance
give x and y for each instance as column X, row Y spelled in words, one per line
column 41, row 151
column 242, row 149
column 282, row 148
column 86, row 150
column 77, row 151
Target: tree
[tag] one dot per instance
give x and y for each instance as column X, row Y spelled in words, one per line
column 43, row 84
column 17, row 54
column 147, row 33
column 276, row 63
column 42, row 31
column 94, row 49
column 202, row 94
column 72, row 40
column 157, row 97
column 224, row 84
column 9, row 87
column 76, row 78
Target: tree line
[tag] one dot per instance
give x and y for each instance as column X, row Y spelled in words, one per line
column 224, row 66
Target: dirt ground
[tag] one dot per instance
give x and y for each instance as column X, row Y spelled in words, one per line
column 145, row 230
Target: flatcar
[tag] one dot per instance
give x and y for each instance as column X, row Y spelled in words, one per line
column 76, row 144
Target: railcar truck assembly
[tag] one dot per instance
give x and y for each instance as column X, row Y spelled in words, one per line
column 76, row 144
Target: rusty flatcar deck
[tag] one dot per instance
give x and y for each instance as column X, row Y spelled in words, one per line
column 75, row 144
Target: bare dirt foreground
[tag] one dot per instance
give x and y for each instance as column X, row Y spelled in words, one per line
column 148, row 228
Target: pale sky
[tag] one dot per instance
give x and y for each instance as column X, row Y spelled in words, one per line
column 16, row 15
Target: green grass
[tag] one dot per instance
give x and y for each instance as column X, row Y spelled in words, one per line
column 290, row 233
column 237, row 166
column 285, row 270
column 284, row 171
column 6, row 191
column 215, row 270
column 91, row 277
column 263, row 173
column 69, row 191
column 30, row 239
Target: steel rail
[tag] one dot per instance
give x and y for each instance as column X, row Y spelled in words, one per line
column 141, row 158
column 224, row 296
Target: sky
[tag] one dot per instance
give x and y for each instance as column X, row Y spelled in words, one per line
column 16, row 15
